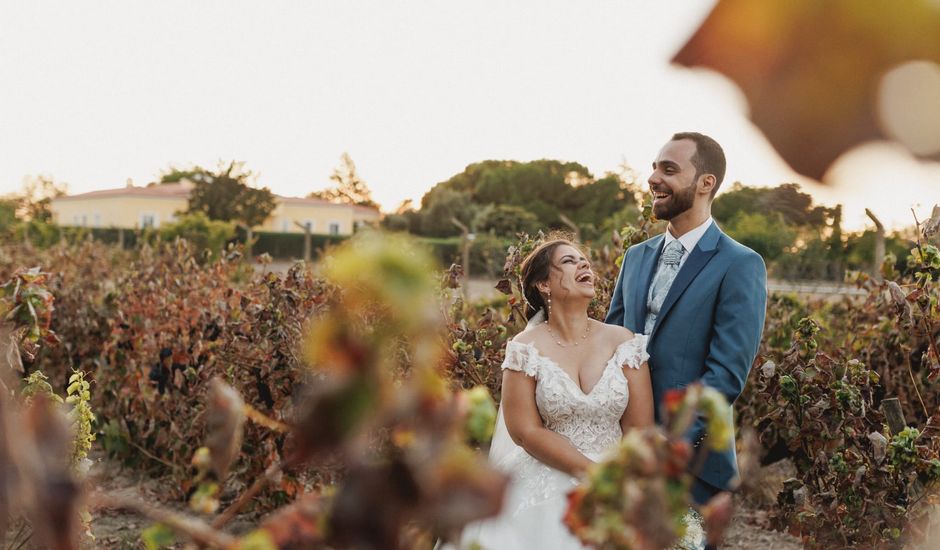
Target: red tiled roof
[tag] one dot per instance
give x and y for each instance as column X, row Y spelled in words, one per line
column 180, row 190
column 300, row 201
column 169, row 191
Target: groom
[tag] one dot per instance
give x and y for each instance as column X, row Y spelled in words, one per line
column 697, row 293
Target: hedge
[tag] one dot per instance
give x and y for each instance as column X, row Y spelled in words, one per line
column 289, row 245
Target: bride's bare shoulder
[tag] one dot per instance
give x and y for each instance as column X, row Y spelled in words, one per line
column 615, row 334
column 528, row 336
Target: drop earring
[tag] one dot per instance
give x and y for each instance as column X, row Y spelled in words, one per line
column 549, row 304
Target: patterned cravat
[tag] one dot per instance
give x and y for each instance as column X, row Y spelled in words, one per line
column 665, row 275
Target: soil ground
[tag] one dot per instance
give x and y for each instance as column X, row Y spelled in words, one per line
column 119, row 529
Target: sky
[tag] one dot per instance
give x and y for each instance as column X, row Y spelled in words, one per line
column 97, row 93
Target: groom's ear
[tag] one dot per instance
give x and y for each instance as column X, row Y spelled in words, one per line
column 707, row 183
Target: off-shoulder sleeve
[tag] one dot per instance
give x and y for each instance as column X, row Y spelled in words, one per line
column 632, row 353
column 521, row 357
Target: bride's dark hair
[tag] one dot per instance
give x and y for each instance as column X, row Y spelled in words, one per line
column 534, row 269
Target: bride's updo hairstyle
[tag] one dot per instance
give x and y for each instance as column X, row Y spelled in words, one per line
column 535, row 268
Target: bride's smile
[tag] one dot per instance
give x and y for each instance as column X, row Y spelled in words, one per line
column 571, row 276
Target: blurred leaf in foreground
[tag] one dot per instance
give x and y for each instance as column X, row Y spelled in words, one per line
column 814, row 73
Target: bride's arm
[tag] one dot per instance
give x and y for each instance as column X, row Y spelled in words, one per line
column 639, row 412
column 526, row 429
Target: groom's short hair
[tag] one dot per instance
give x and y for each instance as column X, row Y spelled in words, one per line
column 709, row 157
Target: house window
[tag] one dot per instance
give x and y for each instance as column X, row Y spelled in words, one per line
column 84, row 220
column 309, row 223
column 97, row 219
column 285, row 225
column 76, row 220
column 334, row 228
column 148, row 219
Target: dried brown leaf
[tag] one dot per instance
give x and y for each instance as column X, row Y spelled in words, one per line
column 49, row 490
column 717, row 516
column 299, row 525
column 879, row 446
column 225, row 419
column 901, row 303
column 931, row 225
column 9, row 350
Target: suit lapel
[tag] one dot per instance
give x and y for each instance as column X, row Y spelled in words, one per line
column 651, row 252
column 706, row 248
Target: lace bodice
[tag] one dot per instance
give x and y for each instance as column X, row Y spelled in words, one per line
column 591, row 421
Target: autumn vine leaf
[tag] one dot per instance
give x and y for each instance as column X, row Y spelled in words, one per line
column 812, row 73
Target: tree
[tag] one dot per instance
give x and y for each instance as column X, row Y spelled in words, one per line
column 198, row 229
column 177, row 175
column 545, row 188
column 737, row 199
column 860, row 250
column 7, row 213
column 795, row 206
column 447, row 204
column 768, row 235
column 506, row 221
column 225, row 195
column 788, row 216
column 836, row 252
column 590, row 205
column 405, row 218
column 406, row 205
column 349, row 189
column 35, row 202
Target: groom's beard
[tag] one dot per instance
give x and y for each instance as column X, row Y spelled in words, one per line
column 676, row 204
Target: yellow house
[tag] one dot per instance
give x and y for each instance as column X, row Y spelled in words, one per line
column 139, row 207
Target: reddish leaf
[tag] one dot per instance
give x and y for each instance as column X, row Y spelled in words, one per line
column 299, row 525
column 53, row 492
column 225, row 418
column 931, row 226
column 717, row 516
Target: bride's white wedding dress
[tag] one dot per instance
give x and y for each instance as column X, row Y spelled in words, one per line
column 536, row 499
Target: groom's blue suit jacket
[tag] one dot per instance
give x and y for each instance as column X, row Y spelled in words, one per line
column 709, row 326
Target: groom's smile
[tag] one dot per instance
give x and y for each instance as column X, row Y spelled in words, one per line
column 672, row 182
column 659, row 197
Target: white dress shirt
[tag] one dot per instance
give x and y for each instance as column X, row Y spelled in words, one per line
column 689, row 239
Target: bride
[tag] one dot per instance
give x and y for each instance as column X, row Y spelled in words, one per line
column 571, row 386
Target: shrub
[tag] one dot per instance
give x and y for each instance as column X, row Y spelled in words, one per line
column 202, row 233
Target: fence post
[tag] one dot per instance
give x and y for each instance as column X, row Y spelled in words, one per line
column 249, row 236
column 465, row 242
column 306, row 227
column 879, row 244
column 894, row 415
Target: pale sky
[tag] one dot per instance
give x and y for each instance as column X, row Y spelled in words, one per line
column 94, row 93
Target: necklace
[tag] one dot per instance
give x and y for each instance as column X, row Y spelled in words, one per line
column 587, row 330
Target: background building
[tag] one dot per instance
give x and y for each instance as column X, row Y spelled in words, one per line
column 134, row 207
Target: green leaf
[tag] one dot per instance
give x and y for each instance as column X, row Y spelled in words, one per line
column 157, row 536
column 258, row 539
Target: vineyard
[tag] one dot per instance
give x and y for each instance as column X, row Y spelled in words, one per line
column 350, row 407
